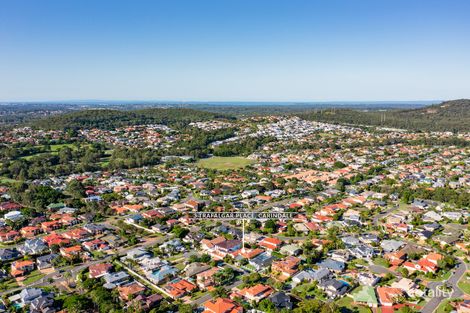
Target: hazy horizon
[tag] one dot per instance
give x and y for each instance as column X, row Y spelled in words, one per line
column 189, row 102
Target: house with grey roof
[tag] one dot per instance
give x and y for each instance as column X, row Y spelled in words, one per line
column 136, row 254
column 332, row 265
column 26, row 296
column 43, row 304
column 362, row 252
column 116, row 279
column 46, row 261
column 195, row 268
column 350, row 241
column 8, row 254
column 261, row 261
column 33, row 247
column 334, row 288
column 391, row 245
column 281, row 301
column 290, row 249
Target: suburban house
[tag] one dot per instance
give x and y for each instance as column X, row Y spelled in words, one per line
column 270, row 243
column 222, row 305
column 20, row 268
column 206, row 279
column 179, row 288
column 255, row 293
column 388, row 296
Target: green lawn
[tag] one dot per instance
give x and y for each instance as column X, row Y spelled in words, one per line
column 60, row 146
column 8, row 285
column 381, row 262
column 32, row 277
column 309, row 290
column 198, row 294
column 224, row 163
column 464, row 284
column 347, row 303
column 180, row 266
column 54, row 150
column 444, row 307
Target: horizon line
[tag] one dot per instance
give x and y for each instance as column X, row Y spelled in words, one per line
column 222, row 101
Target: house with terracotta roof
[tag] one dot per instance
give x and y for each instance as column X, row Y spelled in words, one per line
column 11, row 235
column 179, row 288
column 134, row 208
column 210, row 244
column 20, row 268
column 10, row 206
column 69, row 220
column 255, row 293
column 127, row 292
column 99, row 270
column 285, row 268
column 120, row 210
column 152, row 214
column 388, row 296
column 250, row 253
column 434, row 258
column 95, row 245
column 70, row 252
column 30, row 231
column 396, row 258
column 56, row 239
column 50, row 226
column 270, row 243
column 194, row 204
column 317, row 218
column 79, row 234
column 222, row 305
column 427, row 264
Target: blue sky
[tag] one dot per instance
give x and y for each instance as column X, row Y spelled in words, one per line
column 235, row 50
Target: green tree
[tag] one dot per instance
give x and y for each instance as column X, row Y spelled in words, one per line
column 77, row 304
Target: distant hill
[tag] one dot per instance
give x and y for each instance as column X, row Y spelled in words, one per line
column 110, row 119
column 451, row 116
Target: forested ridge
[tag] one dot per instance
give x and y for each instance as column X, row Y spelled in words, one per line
column 110, row 119
column 451, row 116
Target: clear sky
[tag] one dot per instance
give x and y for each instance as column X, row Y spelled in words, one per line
column 235, row 50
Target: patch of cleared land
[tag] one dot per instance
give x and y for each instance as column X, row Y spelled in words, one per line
column 224, row 163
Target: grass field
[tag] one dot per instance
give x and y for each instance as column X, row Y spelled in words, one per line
column 224, row 163
column 464, row 284
column 54, row 150
column 32, row 277
column 60, row 146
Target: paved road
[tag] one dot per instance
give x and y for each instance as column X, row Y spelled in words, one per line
column 452, row 282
